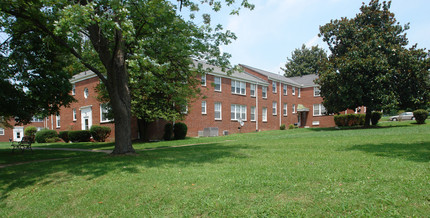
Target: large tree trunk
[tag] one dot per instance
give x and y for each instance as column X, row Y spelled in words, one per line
column 368, row 116
column 119, row 94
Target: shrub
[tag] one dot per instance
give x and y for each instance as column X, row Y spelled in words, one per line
column 282, row 127
column 52, row 140
column 80, row 136
column 376, row 116
column 64, row 135
column 168, row 132
column 180, row 131
column 349, row 119
column 30, row 131
column 42, row 135
column 420, row 116
column 291, row 126
column 100, row 133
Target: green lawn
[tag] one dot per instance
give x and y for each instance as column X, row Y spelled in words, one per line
column 375, row 172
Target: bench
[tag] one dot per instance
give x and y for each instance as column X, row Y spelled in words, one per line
column 24, row 144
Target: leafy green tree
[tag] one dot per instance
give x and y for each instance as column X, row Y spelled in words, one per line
column 304, row 61
column 370, row 65
column 111, row 38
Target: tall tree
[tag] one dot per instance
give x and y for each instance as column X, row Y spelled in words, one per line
column 304, row 61
column 370, row 65
column 118, row 32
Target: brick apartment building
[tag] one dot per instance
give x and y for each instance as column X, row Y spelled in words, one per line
column 260, row 99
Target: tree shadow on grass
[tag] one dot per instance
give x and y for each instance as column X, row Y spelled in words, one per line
column 94, row 165
column 417, row 152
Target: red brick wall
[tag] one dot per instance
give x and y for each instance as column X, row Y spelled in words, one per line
column 8, row 132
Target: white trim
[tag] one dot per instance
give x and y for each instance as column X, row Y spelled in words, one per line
column 205, row 78
column 274, row 87
column 238, row 109
column 220, row 110
column 220, row 84
column 315, row 123
column 293, row 90
column 250, row 116
column 206, row 105
column 320, row 109
column 86, row 92
column 319, row 91
column 294, row 109
column 87, row 75
column 73, row 89
column 101, row 115
column 236, row 82
column 1, row 131
column 85, row 107
column 264, row 114
column 262, row 87
column 285, row 107
column 275, row 107
column 250, row 89
column 74, row 115
column 58, row 120
column 286, row 89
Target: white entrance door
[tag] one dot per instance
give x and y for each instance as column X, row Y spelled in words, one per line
column 18, row 133
column 86, row 118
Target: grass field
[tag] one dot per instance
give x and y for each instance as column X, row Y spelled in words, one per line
column 381, row 171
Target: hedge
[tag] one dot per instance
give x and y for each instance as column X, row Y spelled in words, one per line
column 349, row 119
column 180, row 130
column 420, row 116
column 64, row 135
column 30, row 131
column 42, row 135
column 100, row 133
column 80, row 136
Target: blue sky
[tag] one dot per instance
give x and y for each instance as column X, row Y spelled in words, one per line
column 268, row 34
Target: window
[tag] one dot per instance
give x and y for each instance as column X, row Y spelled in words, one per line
column 293, row 91
column 299, row 92
column 203, row 80
column 273, row 86
column 217, row 110
column 316, row 91
column 252, row 113
column 86, row 93
column 218, row 84
column 274, row 108
column 264, row 114
column 203, row 107
column 36, row 120
column 264, row 91
column 1, row 131
column 238, row 87
column 253, row 90
column 184, row 109
column 294, row 109
column 74, row 114
column 104, row 113
column 285, row 109
column 319, row 110
column 285, row 89
column 238, row 111
column 73, row 89
column 57, row 118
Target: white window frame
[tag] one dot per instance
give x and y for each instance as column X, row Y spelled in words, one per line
column 74, row 116
column 103, row 107
column 220, row 110
column 86, row 92
column 215, row 82
column 285, row 89
column 293, row 90
column 274, row 108
column 315, row 123
column 73, row 89
column 264, row 91
column 299, row 90
column 34, row 119
column 238, row 111
column 204, row 107
column 1, row 131
column 252, row 113
column 274, row 87
column 253, row 89
column 317, row 92
column 58, row 120
column 294, row 109
column 264, row 114
column 285, row 111
column 203, row 80
column 318, row 110
column 238, row 87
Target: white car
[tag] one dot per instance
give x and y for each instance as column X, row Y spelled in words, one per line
column 403, row 116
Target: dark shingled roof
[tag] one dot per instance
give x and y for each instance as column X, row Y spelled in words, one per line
column 306, row 80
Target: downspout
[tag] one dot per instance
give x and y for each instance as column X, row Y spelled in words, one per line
column 280, row 103
column 256, row 107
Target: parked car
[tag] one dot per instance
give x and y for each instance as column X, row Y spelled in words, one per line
column 403, row 116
